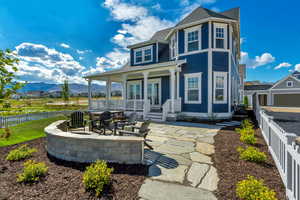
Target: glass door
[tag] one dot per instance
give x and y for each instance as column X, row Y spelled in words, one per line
column 154, row 92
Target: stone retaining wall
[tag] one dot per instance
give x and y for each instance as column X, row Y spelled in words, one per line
column 88, row 148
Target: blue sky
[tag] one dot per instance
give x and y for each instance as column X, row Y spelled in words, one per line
column 57, row 39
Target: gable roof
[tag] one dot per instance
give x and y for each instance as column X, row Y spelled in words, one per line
column 199, row 14
column 284, row 79
column 161, row 35
column 233, row 13
column 258, row 87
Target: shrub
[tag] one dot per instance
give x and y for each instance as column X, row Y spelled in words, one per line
column 32, row 171
column 6, row 104
column 253, row 189
column 7, row 133
column 246, row 101
column 248, row 138
column 96, row 176
column 252, row 154
column 20, row 153
column 246, row 123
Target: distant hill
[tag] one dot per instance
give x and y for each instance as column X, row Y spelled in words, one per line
column 74, row 88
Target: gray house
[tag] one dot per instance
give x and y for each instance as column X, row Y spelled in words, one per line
column 285, row 92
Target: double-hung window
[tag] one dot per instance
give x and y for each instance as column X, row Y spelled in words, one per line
column 220, row 31
column 220, row 87
column 192, row 39
column 192, row 88
column 143, row 55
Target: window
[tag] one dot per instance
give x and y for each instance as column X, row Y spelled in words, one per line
column 220, row 87
column 220, row 36
column 134, row 90
column 173, row 46
column 192, row 39
column 192, row 88
column 289, row 84
column 143, row 55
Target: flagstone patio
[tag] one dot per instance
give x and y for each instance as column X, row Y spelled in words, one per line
column 180, row 163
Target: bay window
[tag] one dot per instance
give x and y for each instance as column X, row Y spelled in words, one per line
column 192, row 39
column 220, row 35
column 192, row 88
column 220, row 87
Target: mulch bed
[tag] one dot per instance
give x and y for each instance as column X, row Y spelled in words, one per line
column 231, row 169
column 64, row 179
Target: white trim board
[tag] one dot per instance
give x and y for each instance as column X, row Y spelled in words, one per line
column 225, row 75
column 192, row 75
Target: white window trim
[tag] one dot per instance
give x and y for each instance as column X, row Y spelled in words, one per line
column 188, row 30
column 143, row 54
column 192, row 75
column 156, row 80
column 292, row 84
column 220, row 25
column 225, row 75
column 139, row 82
column 174, row 38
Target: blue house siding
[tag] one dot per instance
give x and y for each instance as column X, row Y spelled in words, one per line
column 220, row 63
column 148, row 63
column 181, row 41
column 195, row 63
column 163, row 52
column 204, row 36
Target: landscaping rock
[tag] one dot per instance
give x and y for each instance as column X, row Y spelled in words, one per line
column 196, row 173
column 198, row 157
column 176, row 174
column 205, row 148
column 180, row 160
column 156, row 190
column 179, row 143
column 206, row 139
column 210, row 181
column 173, row 149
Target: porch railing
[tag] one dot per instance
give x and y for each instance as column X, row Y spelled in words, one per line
column 128, row 105
column 167, row 107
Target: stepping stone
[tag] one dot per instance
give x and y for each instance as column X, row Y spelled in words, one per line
column 196, row 173
column 150, row 156
column 198, row 157
column 210, row 181
column 173, row 149
column 205, row 148
column 181, row 160
column 180, row 143
column 176, row 174
column 206, row 139
column 156, row 190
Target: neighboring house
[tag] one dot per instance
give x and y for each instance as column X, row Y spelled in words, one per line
column 35, row 94
column 191, row 69
column 285, row 92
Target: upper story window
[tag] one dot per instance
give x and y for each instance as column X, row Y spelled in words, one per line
column 173, row 46
column 220, row 87
column 192, row 39
column 289, row 84
column 192, row 88
column 220, row 36
column 143, row 55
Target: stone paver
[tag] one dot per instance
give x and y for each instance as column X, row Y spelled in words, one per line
column 180, row 163
column 156, row 190
column 198, row 157
column 210, row 181
column 196, row 173
column 205, row 148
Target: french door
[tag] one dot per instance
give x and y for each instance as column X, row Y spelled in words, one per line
column 154, row 92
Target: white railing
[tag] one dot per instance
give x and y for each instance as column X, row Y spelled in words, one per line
column 177, row 105
column 167, row 107
column 128, row 105
column 284, row 150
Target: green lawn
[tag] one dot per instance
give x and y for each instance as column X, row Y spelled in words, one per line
column 28, row 131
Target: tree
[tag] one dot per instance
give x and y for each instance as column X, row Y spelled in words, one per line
column 8, row 84
column 246, row 102
column 65, row 91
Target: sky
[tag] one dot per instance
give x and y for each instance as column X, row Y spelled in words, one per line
column 57, row 40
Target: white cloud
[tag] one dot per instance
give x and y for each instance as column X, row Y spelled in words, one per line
column 65, row 45
column 82, row 51
column 282, row 65
column 265, row 58
column 297, row 67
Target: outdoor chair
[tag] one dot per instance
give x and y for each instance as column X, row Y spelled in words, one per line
column 106, row 122
column 131, row 120
column 141, row 131
column 94, row 122
column 77, row 121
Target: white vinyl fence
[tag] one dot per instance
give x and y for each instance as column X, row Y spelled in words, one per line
column 6, row 121
column 284, row 151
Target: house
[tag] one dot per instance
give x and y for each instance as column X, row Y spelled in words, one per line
column 191, row 69
column 285, row 92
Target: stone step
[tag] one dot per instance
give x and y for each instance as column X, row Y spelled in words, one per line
column 155, row 113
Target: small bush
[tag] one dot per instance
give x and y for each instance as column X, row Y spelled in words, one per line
column 252, row 154
column 6, row 104
column 248, row 138
column 253, row 189
column 32, row 171
column 96, row 176
column 246, row 123
column 6, row 135
column 20, row 153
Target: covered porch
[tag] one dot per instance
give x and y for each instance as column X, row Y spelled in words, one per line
column 145, row 89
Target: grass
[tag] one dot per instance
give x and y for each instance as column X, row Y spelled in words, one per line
column 28, row 131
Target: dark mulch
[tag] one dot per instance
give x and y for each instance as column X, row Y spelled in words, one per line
column 231, row 169
column 64, row 179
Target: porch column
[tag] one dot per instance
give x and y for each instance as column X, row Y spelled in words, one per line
column 172, row 72
column 145, row 92
column 90, row 93
column 124, row 80
column 108, row 89
column 177, row 83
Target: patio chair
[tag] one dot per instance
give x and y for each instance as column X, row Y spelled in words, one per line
column 94, row 122
column 131, row 120
column 143, row 131
column 106, row 122
column 77, row 121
